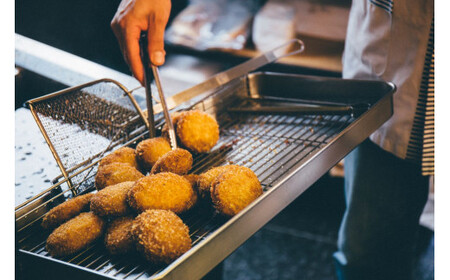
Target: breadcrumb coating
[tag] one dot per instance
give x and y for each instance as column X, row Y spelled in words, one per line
column 123, row 155
column 197, row 131
column 66, row 211
column 192, row 179
column 206, row 179
column 164, row 190
column 178, row 161
column 75, row 234
column 161, row 236
column 150, row 150
column 115, row 173
column 118, row 237
column 234, row 189
column 112, row 200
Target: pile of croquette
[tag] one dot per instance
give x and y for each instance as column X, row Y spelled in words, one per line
column 140, row 194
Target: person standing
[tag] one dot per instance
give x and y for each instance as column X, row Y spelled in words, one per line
column 387, row 176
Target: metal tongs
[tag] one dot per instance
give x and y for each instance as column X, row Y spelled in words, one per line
column 148, row 77
column 293, row 106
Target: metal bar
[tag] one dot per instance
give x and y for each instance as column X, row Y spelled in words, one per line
column 140, row 275
column 131, row 271
column 60, row 66
column 252, row 136
column 267, row 145
column 295, row 110
column 294, row 101
column 294, row 158
column 150, row 121
column 52, row 148
column 102, row 265
column 259, row 145
column 39, row 206
column 162, row 99
column 24, row 215
column 98, row 160
column 87, row 257
column 81, row 253
column 35, row 247
column 92, row 262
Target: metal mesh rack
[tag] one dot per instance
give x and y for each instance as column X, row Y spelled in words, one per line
column 269, row 145
column 287, row 152
column 82, row 123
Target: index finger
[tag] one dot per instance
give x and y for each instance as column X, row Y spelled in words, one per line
column 132, row 53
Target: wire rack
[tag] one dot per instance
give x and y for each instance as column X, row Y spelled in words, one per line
column 81, row 124
column 277, row 147
column 269, row 145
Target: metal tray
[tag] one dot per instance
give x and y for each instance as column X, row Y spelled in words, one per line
column 288, row 153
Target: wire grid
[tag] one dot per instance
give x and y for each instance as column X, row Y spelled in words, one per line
column 269, row 145
column 84, row 123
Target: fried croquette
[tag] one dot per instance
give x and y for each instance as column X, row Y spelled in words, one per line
column 161, row 236
column 75, row 234
column 197, row 131
column 234, row 189
column 178, row 161
column 115, row 173
column 112, row 200
column 150, row 150
column 66, row 211
column 164, row 190
column 118, row 237
column 206, row 179
column 123, row 155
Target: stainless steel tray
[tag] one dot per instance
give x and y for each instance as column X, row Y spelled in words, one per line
column 288, row 153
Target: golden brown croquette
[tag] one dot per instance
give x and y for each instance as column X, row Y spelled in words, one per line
column 112, row 200
column 66, row 211
column 165, row 190
column 115, row 173
column 197, row 131
column 234, row 189
column 161, row 236
column 150, row 150
column 178, row 161
column 118, row 237
column 75, row 234
column 206, row 179
column 123, row 155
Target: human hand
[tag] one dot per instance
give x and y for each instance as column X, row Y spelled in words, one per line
column 133, row 17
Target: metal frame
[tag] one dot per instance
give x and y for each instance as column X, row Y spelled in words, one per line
column 213, row 247
column 30, row 104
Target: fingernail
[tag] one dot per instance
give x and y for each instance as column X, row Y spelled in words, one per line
column 158, row 58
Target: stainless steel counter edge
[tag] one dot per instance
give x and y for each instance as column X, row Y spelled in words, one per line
column 63, row 67
column 211, row 251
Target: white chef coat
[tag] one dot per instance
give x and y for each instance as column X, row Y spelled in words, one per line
column 387, row 40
